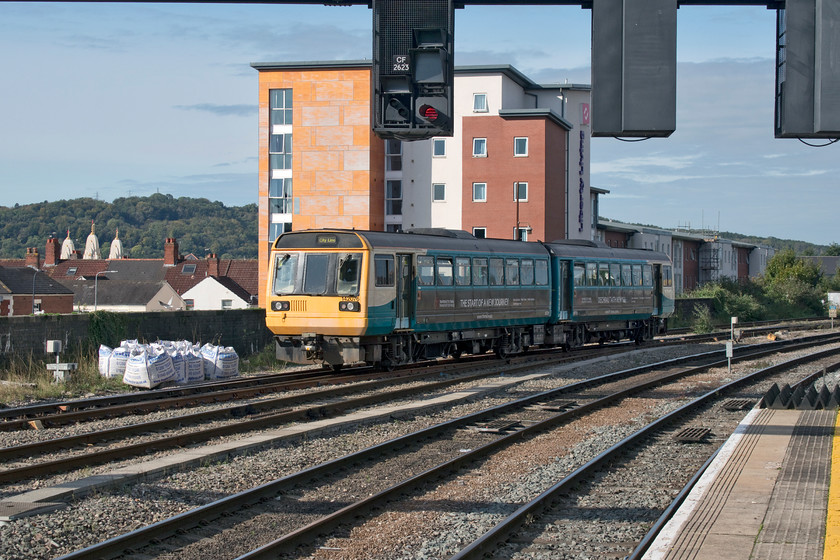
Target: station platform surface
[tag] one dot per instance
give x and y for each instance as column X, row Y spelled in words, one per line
column 770, row 494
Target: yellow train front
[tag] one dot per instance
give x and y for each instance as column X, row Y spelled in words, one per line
column 317, row 303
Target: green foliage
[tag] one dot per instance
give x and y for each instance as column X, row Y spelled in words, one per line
column 703, row 321
column 793, row 284
column 105, row 327
column 833, row 250
column 201, row 226
column 732, row 300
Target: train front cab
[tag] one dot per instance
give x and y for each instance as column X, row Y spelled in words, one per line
column 317, row 305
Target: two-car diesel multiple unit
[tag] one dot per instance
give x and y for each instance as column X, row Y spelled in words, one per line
column 343, row 296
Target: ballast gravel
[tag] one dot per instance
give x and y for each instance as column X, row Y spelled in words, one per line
column 98, row 517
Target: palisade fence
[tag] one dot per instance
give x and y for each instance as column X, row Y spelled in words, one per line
column 79, row 333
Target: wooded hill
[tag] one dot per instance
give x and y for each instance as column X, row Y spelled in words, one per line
column 199, row 225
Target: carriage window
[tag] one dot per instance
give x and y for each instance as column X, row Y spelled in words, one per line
column 526, row 271
column 479, row 272
column 591, row 274
column 541, row 273
column 615, row 274
column 647, row 275
column 426, row 271
column 285, row 267
column 497, row 272
column 315, row 273
column 626, row 278
column 512, row 272
column 637, row 275
column 384, row 270
column 580, row 275
column 444, row 271
column 462, row 271
column 604, row 274
column 349, row 269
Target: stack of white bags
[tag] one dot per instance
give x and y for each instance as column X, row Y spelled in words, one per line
column 180, row 362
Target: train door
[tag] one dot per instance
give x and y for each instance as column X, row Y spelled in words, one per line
column 404, row 297
column 657, row 289
column 564, row 304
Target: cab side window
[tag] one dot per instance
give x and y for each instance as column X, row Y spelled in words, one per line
column 383, row 266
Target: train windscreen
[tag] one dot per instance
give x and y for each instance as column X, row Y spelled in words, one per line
column 317, row 274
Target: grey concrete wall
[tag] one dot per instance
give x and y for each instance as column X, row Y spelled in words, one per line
column 244, row 329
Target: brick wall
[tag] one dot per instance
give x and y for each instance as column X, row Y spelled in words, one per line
column 244, row 329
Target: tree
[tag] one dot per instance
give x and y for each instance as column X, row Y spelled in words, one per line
column 833, row 250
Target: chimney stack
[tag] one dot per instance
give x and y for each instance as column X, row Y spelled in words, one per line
column 53, row 254
column 213, row 264
column 170, row 252
column 33, row 258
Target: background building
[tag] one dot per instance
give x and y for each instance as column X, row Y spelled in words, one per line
column 516, row 167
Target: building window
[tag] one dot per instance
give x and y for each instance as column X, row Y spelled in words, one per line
column 479, row 192
column 393, row 155
column 393, row 198
column 393, row 228
column 281, row 106
column 480, row 232
column 280, row 151
column 479, row 102
column 520, row 192
column 521, row 234
column 227, row 304
column 71, row 271
column 520, row 147
column 438, row 192
column 438, row 147
column 280, row 163
column 479, row 147
column 188, row 269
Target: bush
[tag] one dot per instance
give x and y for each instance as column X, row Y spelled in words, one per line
column 703, row 321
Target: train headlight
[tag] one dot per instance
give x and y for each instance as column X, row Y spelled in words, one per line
column 349, row 306
column 280, row 306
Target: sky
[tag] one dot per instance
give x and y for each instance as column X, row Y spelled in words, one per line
column 108, row 100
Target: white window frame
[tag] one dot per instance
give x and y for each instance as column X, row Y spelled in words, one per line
column 481, row 229
column 516, row 191
column 479, row 143
column 523, row 233
column 434, row 193
column 436, row 142
column 474, row 199
column 525, row 153
column 480, row 103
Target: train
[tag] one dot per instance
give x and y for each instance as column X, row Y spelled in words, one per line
column 337, row 297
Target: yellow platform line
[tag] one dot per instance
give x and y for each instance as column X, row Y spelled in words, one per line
column 831, row 551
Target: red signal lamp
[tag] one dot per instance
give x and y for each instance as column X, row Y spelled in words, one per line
column 428, row 112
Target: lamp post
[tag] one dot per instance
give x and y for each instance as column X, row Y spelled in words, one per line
column 96, row 285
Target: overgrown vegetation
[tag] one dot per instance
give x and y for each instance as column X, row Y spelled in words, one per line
column 25, row 380
column 790, row 288
column 199, row 225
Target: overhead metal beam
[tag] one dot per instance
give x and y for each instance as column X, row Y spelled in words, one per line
column 587, row 4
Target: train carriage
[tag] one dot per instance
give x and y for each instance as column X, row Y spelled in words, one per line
column 346, row 296
column 604, row 293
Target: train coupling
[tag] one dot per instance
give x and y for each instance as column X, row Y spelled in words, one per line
column 313, row 346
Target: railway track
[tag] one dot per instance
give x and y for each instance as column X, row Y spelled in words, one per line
column 69, row 452
column 437, row 452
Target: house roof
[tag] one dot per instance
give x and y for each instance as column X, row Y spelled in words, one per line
column 25, row 280
column 136, row 281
